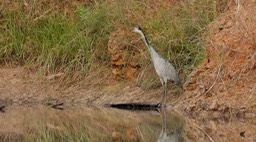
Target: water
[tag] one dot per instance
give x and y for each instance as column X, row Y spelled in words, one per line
column 99, row 124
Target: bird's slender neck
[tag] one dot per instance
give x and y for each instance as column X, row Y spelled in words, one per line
column 145, row 40
column 150, row 49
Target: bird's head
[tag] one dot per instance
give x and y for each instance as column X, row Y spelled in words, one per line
column 137, row 29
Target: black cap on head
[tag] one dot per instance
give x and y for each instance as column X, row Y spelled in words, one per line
column 137, row 26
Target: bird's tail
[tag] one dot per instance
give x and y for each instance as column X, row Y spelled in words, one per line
column 180, row 85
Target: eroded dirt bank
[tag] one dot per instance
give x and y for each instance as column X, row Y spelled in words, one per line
column 226, row 81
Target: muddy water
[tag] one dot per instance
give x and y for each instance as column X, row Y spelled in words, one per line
column 45, row 124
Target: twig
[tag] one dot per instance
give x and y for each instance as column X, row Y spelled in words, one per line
column 238, row 5
column 215, row 81
column 58, row 106
column 39, row 17
column 210, row 138
column 178, row 99
column 253, row 89
column 251, row 94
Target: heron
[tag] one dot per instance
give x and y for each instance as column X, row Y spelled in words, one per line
column 164, row 69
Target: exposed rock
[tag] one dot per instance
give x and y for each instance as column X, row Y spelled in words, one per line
column 124, row 57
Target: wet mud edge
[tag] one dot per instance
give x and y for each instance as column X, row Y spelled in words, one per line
column 134, row 106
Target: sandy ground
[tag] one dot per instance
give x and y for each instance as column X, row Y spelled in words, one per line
column 20, row 87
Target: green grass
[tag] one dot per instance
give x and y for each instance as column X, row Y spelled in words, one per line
column 51, row 43
column 45, row 39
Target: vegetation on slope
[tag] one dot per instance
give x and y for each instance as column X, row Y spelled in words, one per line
column 70, row 37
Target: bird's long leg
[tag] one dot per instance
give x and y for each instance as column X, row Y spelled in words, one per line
column 165, row 94
column 162, row 96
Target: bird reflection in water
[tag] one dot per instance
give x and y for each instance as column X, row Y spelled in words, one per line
column 164, row 136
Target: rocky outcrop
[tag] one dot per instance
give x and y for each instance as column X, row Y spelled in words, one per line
column 125, row 56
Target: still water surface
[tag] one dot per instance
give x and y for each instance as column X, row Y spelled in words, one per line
column 99, row 124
